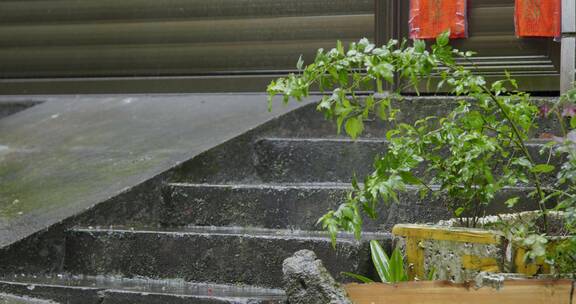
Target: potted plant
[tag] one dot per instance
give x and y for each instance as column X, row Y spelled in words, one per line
column 469, row 155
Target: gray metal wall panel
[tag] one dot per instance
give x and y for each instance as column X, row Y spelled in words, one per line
column 83, row 39
column 61, row 42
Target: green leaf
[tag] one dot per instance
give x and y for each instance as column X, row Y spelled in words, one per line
column 443, row 39
column 381, row 262
column 397, row 266
column 354, row 126
column 325, row 104
column 542, row 168
column 358, row 277
column 459, row 211
column 391, row 133
column 386, row 71
column 339, row 122
column 432, row 274
column 339, row 47
column 343, row 77
column 474, row 120
column 409, row 178
column 379, row 86
column 512, row 202
column 300, row 63
column 573, row 122
column 522, row 161
column 334, row 73
column 419, row 46
column 382, row 112
column 270, row 101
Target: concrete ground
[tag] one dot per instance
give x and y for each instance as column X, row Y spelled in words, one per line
column 68, row 153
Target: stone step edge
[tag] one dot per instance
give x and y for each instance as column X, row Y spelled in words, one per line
column 8, row 298
column 536, row 142
column 284, row 186
column 245, row 232
column 99, row 284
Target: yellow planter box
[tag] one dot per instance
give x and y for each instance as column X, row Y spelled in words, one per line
column 460, row 254
column 455, row 254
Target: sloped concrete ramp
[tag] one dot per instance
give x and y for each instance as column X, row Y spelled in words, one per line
column 69, row 153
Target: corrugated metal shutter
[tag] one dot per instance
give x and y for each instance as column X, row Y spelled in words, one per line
column 108, row 46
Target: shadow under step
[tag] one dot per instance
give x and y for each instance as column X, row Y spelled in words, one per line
column 8, row 108
column 81, row 289
column 228, row 255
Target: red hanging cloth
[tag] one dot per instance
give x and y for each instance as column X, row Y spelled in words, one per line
column 538, row 18
column 430, row 18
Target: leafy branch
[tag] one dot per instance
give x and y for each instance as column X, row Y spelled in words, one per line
column 469, row 154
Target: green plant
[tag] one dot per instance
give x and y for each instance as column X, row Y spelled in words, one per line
column 390, row 269
column 563, row 255
column 470, row 154
column 460, row 151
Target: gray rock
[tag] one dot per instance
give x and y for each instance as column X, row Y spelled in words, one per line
column 308, row 282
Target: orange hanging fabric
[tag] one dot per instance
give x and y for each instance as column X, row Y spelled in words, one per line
column 430, row 18
column 538, row 18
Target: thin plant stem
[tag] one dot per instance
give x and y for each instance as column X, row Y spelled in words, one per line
column 520, row 143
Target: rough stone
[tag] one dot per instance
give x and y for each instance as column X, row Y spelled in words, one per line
column 308, row 282
column 12, row 299
column 298, row 206
column 276, row 161
column 226, row 255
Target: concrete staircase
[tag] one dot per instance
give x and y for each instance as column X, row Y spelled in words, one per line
column 222, row 223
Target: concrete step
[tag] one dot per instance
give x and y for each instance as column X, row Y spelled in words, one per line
column 81, row 289
column 295, row 160
column 307, row 122
column 299, row 206
column 233, row 162
column 226, row 255
column 315, row 159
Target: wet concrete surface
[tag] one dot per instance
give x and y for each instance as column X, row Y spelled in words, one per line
column 68, row 154
column 226, row 255
column 299, row 206
column 84, row 289
column 293, row 160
